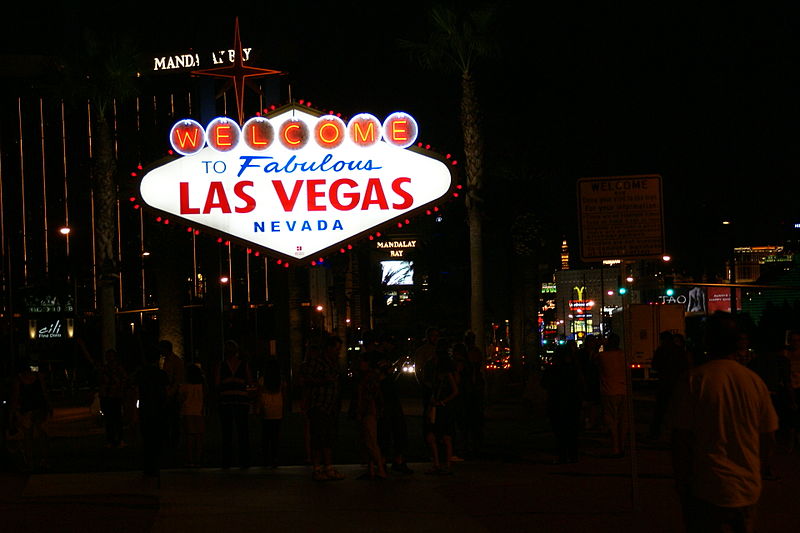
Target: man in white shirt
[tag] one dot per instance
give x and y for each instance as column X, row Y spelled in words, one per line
column 723, row 425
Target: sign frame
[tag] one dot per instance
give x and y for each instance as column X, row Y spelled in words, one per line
column 607, row 212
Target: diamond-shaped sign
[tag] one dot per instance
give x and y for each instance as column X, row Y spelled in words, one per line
column 297, row 202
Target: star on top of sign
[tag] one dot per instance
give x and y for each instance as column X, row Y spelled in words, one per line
column 239, row 73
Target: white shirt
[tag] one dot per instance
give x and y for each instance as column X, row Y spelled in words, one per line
column 727, row 407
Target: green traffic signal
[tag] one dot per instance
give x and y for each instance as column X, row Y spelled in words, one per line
column 669, row 290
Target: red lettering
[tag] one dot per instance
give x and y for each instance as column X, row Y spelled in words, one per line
column 216, row 199
column 374, row 195
column 250, row 202
column 184, row 203
column 313, row 194
column 398, row 189
column 353, row 197
column 286, row 201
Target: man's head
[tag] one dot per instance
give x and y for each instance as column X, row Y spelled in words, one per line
column 152, row 357
column 612, row 341
column 331, row 346
column 164, row 347
column 469, row 338
column 722, row 336
column 231, row 349
column 432, row 335
column 794, row 340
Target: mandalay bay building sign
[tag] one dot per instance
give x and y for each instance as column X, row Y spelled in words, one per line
column 295, row 182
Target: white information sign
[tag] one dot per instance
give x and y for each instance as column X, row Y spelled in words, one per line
column 621, row 217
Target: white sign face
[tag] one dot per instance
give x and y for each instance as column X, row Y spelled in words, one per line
column 253, row 185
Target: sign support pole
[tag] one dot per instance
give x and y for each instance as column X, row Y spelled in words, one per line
column 628, row 341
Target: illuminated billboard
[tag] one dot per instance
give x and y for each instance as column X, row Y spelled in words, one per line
column 296, row 182
column 397, row 272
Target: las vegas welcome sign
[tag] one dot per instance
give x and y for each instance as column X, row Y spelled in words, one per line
column 296, row 182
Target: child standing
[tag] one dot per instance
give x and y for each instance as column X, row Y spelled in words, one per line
column 272, row 392
column 192, row 410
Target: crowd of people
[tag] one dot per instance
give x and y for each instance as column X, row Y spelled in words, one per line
column 725, row 407
column 587, row 386
column 163, row 404
column 730, row 396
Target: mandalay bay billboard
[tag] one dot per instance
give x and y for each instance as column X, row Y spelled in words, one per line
column 295, row 182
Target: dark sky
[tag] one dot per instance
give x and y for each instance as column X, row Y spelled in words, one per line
column 705, row 96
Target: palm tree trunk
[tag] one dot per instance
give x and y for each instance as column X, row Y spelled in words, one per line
column 105, row 195
column 170, row 286
column 298, row 295
column 473, row 150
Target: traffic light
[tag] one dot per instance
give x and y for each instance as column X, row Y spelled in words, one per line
column 669, row 290
column 622, row 288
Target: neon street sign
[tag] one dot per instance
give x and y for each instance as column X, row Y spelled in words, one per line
column 296, row 182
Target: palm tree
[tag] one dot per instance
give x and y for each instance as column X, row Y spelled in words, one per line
column 100, row 73
column 527, row 242
column 458, row 40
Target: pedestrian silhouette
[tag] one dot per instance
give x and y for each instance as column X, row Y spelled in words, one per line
column 724, row 423
column 565, row 386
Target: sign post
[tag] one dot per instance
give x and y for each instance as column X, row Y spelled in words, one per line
column 621, row 217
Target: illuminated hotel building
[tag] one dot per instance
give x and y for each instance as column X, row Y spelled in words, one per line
column 751, row 259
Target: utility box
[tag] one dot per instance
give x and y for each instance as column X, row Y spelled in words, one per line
column 647, row 321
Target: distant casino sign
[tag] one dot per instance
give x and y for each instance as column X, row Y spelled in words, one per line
column 296, row 182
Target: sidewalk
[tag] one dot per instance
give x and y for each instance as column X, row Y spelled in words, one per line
column 514, row 488
column 593, row 495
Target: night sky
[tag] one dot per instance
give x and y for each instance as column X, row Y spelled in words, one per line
column 706, row 97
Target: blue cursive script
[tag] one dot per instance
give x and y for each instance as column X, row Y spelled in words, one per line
column 327, row 164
